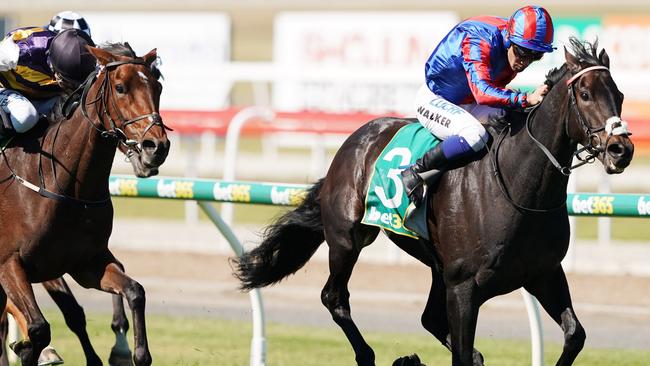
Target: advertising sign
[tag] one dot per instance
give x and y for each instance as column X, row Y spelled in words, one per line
column 327, row 41
column 191, row 45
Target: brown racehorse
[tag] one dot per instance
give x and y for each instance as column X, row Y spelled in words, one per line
column 55, row 210
column 496, row 224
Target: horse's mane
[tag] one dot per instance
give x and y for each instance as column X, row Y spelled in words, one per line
column 584, row 51
column 116, row 48
column 124, row 49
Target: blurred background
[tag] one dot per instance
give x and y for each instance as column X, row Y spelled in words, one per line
column 267, row 91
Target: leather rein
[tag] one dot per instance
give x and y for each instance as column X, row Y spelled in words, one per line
column 103, row 99
column 613, row 125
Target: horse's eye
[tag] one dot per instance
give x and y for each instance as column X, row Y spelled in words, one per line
column 119, row 88
column 584, row 96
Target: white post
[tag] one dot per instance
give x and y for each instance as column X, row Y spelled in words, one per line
column 536, row 332
column 232, row 144
column 258, row 342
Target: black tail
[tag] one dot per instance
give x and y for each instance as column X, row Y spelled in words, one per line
column 287, row 244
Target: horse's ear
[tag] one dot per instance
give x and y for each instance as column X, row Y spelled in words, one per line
column 572, row 61
column 103, row 57
column 604, row 58
column 150, row 57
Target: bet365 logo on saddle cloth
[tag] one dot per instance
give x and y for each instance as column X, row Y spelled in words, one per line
column 386, row 200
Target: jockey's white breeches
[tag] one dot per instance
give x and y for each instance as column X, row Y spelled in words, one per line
column 23, row 113
column 444, row 118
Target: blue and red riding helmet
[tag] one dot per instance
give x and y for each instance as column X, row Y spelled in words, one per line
column 531, row 27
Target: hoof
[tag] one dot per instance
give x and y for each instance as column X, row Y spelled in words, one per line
column 412, row 360
column 49, row 356
column 118, row 358
column 25, row 351
column 120, row 353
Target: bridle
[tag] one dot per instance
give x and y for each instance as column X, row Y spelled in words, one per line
column 614, row 126
column 131, row 146
column 103, row 99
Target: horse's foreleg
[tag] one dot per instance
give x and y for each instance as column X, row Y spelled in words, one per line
column 343, row 255
column 107, row 275
column 74, row 316
column 14, row 282
column 462, row 313
column 434, row 318
column 553, row 294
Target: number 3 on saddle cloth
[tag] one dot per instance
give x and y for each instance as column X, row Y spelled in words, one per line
column 387, row 205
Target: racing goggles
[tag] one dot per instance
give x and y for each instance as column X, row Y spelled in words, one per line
column 527, row 54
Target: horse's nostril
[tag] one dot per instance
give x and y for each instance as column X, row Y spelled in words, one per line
column 148, row 145
column 615, row 150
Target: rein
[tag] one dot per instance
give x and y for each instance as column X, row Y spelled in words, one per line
column 115, row 132
column 499, row 175
column 103, row 98
column 614, row 126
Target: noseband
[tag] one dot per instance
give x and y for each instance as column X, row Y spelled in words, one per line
column 613, row 126
column 115, row 132
column 103, row 100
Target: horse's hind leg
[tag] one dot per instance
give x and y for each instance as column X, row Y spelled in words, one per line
column 553, row 294
column 14, row 282
column 344, row 251
column 434, row 318
column 74, row 316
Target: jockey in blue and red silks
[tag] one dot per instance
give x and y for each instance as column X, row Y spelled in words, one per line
column 466, row 78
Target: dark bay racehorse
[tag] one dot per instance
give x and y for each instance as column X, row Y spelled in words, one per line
column 69, row 162
column 497, row 224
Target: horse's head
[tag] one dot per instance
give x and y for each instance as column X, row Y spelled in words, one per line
column 126, row 99
column 594, row 118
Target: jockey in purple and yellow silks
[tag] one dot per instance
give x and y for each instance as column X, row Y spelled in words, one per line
column 31, row 75
column 36, row 65
column 466, row 79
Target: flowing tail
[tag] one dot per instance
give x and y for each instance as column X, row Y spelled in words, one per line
column 287, row 244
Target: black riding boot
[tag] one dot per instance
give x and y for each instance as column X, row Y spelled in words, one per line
column 6, row 128
column 433, row 162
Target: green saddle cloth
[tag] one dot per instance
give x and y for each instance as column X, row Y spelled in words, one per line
column 386, row 200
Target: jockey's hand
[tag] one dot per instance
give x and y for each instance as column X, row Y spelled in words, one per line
column 537, row 96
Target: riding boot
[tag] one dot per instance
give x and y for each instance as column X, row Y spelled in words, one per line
column 427, row 168
column 6, row 127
